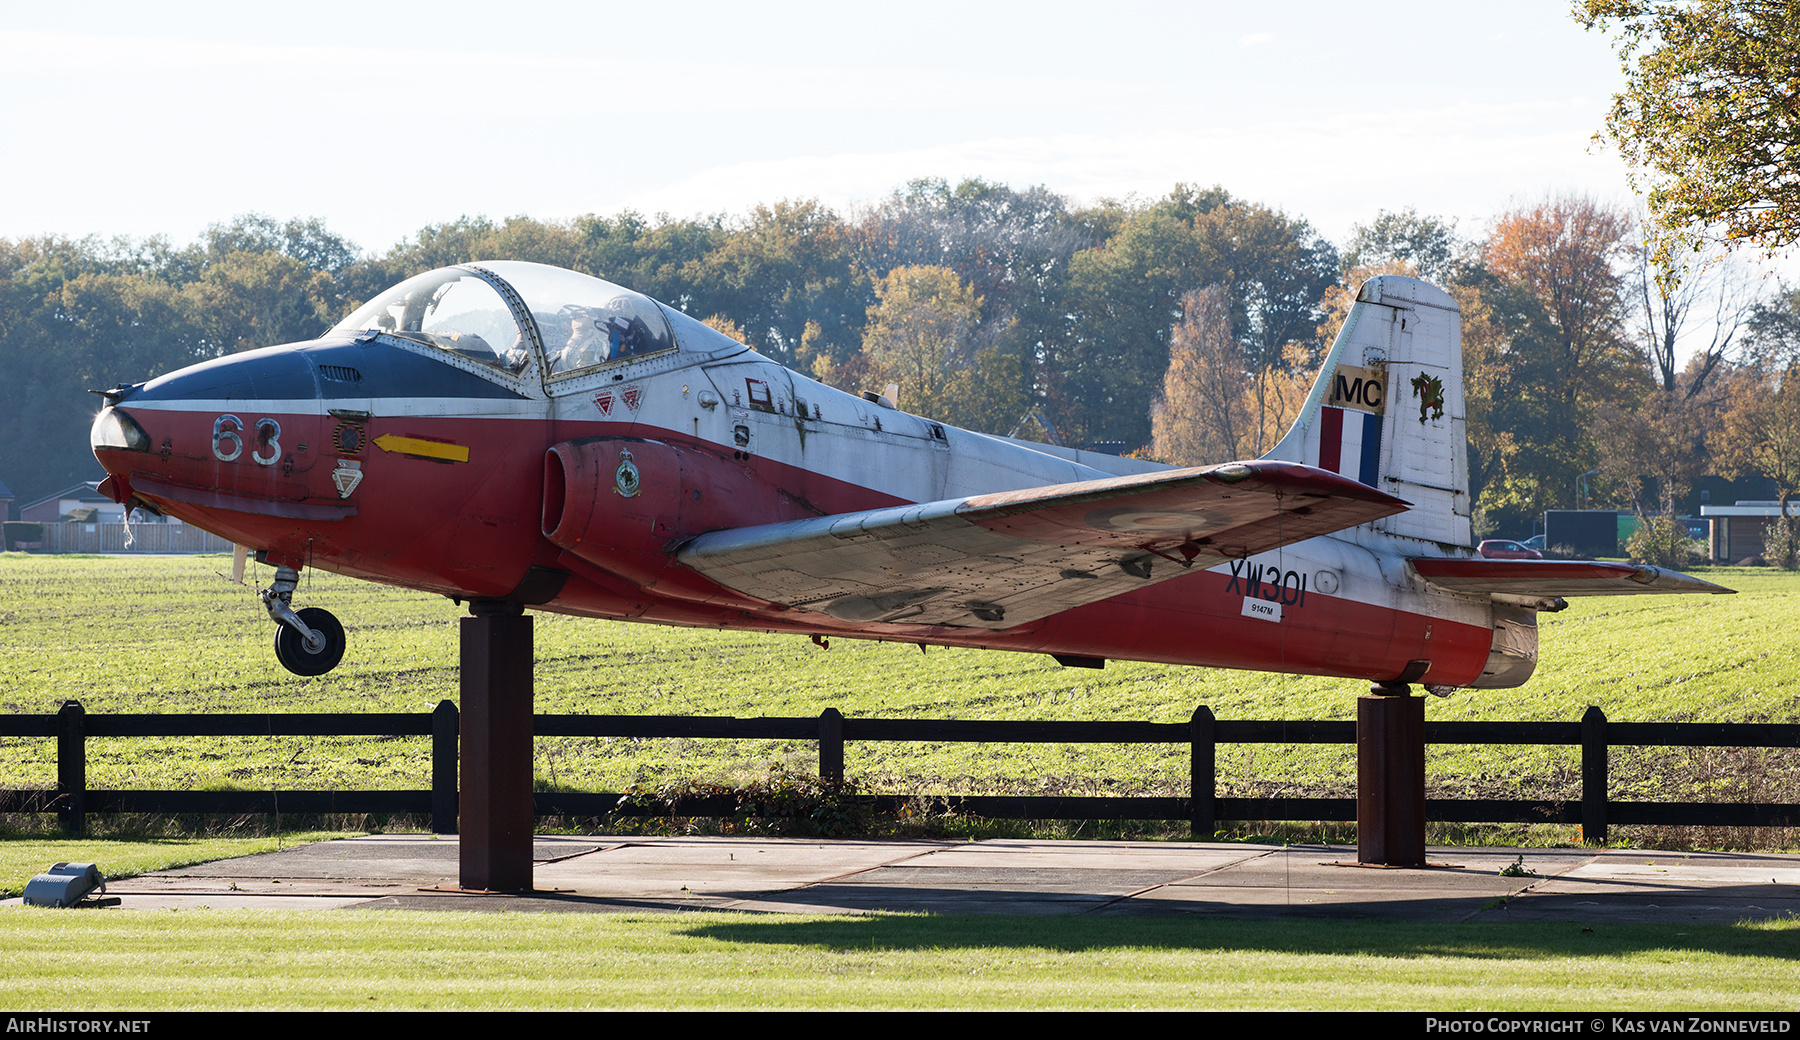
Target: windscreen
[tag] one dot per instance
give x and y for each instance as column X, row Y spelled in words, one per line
column 451, row 310
column 585, row 321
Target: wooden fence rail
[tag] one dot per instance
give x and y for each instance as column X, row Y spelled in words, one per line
column 72, row 800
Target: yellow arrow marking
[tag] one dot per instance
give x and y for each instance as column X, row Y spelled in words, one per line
column 426, row 449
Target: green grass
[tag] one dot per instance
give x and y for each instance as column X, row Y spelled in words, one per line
column 21, row 859
column 394, row 960
column 171, row 635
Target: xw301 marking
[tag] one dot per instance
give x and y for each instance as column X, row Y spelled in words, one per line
column 1267, row 581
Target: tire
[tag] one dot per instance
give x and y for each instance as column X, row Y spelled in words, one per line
column 290, row 646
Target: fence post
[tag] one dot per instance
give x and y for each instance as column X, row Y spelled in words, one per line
column 1202, row 807
column 831, row 746
column 443, row 768
column 1593, row 776
column 71, row 766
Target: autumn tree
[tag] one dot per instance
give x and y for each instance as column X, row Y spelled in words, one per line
column 1762, row 435
column 1762, row 431
column 1200, row 417
column 246, row 300
column 652, row 256
column 1487, row 376
column 1279, row 267
column 83, row 314
column 786, row 265
column 1772, row 339
column 74, row 318
column 1429, row 245
column 467, row 239
column 1707, row 118
column 1670, row 297
column 724, row 326
column 921, row 334
column 1550, row 285
column 1652, row 450
column 1013, row 247
column 305, row 240
column 1125, row 295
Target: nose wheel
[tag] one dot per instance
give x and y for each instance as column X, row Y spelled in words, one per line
column 297, row 653
column 309, row 641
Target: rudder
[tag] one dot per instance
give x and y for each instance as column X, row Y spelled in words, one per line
column 1387, row 408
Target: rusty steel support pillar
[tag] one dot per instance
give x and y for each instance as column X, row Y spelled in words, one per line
column 1390, row 777
column 495, row 809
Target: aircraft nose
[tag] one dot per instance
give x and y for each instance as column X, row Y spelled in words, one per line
column 231, row 437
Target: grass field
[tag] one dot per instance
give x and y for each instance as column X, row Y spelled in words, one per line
column 387, row 960
column 23, row 857
column 170, row 634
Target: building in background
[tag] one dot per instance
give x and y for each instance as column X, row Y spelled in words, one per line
column 75, row 499
column 1737, row 530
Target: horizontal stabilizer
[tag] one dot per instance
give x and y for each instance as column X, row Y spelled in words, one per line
column 1548, row 578
column 999, row 560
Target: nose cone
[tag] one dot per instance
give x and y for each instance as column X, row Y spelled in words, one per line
column 228, row 444
column 271, row 374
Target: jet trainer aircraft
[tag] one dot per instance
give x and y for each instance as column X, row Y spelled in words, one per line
column 519, row 435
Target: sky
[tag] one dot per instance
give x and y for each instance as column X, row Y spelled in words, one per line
column 138, row 120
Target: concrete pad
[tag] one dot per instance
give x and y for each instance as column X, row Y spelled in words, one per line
column 1631, row 885
column 1180, row 858
column 1104, row 855
column 1017, row 877
column 1325, row 881
column 166, row 892
column 1013, row 877
column 718, row 871
column 420, row 857
column 322, row 875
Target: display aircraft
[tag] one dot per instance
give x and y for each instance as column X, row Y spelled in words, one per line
column 516, row 435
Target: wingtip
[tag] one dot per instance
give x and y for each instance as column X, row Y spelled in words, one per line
column 1676, row 581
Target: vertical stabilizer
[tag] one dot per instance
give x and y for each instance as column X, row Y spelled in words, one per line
column 1387, row 408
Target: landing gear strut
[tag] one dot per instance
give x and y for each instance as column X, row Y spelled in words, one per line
column 308, row 641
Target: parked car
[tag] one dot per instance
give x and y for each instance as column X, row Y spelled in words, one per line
column 1536, row 541
column 1507, row 549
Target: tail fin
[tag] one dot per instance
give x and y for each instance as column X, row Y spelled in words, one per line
column 1387, row 408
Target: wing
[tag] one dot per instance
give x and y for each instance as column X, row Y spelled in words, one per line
column 1000, row 560
column 1550, row 578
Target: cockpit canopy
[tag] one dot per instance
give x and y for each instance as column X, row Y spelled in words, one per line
column 502, row 313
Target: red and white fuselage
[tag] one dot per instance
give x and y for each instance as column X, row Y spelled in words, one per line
column 510, row 432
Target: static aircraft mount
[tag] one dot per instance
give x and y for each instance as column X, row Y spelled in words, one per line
column 515, row 435
column 520, row 433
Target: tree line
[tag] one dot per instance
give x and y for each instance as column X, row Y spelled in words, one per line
column 1186, row 327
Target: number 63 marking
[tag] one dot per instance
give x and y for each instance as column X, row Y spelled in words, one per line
column 230, row 429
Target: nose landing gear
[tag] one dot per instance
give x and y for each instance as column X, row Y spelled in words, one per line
column 309, row 641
